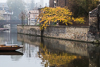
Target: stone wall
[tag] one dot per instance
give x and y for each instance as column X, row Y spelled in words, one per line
column 63, row 32
column 29, row 29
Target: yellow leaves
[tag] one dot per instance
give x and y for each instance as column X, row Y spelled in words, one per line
column 50, row 15
column 79, row 20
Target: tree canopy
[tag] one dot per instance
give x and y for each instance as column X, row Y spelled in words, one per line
column 82, row 7
column 50, row 15
column 16, row 6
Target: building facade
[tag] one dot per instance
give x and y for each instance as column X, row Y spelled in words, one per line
column 61, row 3
column 32, row 18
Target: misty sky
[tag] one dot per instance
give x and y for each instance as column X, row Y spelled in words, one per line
column 45, row 1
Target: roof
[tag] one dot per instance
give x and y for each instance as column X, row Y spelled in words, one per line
column 34, row 11
column 93, row 13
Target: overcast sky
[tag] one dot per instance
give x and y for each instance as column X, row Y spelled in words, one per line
column 45, row 1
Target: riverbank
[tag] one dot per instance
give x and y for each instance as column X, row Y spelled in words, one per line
column 59, row 32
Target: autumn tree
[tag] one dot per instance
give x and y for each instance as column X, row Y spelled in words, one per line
column 50, row 15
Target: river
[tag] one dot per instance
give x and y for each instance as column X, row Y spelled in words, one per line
column 47, row 52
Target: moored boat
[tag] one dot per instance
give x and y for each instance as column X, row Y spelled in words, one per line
column 9, row 48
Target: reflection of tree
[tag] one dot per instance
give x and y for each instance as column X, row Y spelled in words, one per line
column 84, row 62
column 56, row 59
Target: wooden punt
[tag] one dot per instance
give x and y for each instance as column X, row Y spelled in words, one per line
column 9, row 48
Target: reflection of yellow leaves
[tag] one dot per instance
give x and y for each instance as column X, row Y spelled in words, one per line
column 57, row 59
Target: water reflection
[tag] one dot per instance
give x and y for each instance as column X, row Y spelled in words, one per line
column 26, row 57
column 62, row 53
column 62, row 59
column 47, row 52
column 8, row 37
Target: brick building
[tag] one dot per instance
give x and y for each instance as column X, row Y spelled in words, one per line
column 61, row 3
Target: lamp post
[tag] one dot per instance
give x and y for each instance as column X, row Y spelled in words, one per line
column 54, row 3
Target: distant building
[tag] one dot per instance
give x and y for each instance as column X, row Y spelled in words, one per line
column 32, row 18
column 5, row 13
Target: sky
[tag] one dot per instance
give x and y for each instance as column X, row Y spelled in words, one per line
column 45, row 1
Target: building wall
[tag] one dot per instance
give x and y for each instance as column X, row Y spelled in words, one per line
column 61, row 3
column 51, row 3
column 93, row 21
column 63, row 32
column 7, row 16
column 32, row 17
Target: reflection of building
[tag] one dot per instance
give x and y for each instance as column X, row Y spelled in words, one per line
column 32, row 19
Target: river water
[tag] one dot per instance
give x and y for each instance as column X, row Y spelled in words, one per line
column 47, row 52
